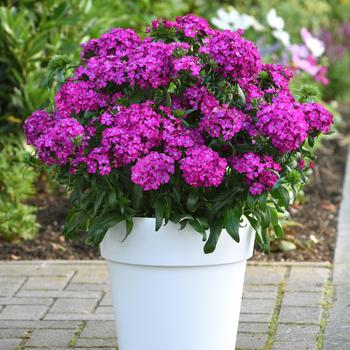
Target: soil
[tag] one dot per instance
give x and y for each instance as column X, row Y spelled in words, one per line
column 312, row 232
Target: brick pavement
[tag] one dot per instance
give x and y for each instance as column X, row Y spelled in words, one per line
column 67, row 305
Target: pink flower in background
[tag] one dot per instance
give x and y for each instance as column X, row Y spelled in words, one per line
column 315, row 45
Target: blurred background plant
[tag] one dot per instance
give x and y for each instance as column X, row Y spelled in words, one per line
column 17, row 218
column 313, row 37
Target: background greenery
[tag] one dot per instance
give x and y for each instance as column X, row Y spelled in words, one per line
column 32, row 31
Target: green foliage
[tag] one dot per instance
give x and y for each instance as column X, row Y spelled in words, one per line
column 17, row 219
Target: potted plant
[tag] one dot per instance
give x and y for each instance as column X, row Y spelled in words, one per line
column 186, row 127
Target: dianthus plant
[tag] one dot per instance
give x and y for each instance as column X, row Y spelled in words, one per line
column 186, row 125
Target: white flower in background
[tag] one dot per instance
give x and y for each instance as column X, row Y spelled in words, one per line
column 315, row 45
column 232, row 19
column 274, row 21
column 282, row 36
column 224, row 19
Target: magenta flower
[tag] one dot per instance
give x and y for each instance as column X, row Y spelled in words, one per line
column 260, row 171
column 284, row 124
column 238, row 58
column 317, row 118
column 203, row 167
column 152, row 171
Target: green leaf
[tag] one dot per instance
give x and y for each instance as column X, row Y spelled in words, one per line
column 74, row 220
column 275, row 223
column 98, row 202
column 159, row 208
column 137, row 195
column 232, row 218
column 196, row 225
column 129, row 224
column 112, row 199
column 192, row 201
column 311, row 141
column 282, row 195
column 99, row 227
column 215, row 231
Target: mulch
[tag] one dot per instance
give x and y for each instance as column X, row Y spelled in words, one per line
column 313, row 231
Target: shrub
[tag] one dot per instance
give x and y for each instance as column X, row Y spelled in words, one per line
column 179, row 127
column 17, row 219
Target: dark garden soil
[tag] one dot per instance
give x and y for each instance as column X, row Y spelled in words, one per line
column 312, row 234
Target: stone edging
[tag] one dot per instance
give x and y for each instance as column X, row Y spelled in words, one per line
column 338, row 329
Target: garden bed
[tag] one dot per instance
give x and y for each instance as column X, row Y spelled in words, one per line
column 314, row 235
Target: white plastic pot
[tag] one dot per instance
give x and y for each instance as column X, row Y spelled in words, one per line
column 168, row 294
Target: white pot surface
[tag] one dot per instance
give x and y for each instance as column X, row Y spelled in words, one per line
column 168, row 294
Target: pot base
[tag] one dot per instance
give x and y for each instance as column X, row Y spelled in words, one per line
column 187, row 308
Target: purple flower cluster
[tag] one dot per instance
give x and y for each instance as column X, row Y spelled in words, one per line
column 203, row 167
column 152, row 171
column 284, row 124
column 115, row 43
column 155, row 105
column 190, row 25
column 79, row 96
column 237, row 57
column 150, row 66
column 134, row 132
column 260, row 171
column 279, row 74
column 54, row 137
column 223, row 122
column 188, row 63
column 317, row 118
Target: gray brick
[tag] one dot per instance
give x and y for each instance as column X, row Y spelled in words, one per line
column 264, row 318
column 68, row 306
column 23, row 312
column 99, row 329
column 46, row 283
column 104, row 348
column 245, row 327
column 9, row 344
column 104, row 310
column 51, row 337
column 290, row 332
column 13, row 269
column 107, row 300
column 39, row 324
column 251, row 341
column 79, row 317
column 97, row 342
column 251, row 306
column 59, row 294
column 299, row 315
column 25, row 301
column 302, row 299
column 10, row 285
column 99, row 287
column 257, row 294
column 296, row 344
column 85, row 275
column 264, row 275
column 48, row 269
column 12, row 332
column 307, row 278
